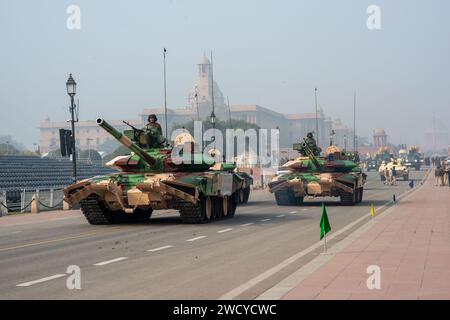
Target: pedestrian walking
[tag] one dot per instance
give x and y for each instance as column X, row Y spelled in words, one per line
column 393, row 176
column 438, row 173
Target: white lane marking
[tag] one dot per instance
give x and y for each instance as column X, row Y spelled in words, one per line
column 304, row 209
column 293, row 212
column 110, row 261
column 160, row 248
column 281, row 216
column 27, row 284
column 264, row 220
column 196, row 238
column 225, row 230
column 247, row 224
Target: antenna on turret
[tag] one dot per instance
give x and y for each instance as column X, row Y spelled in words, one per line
column 354, row 124
column 213, row 115
column 317, row 119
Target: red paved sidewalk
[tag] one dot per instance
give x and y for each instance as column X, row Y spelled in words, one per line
column 411, row 245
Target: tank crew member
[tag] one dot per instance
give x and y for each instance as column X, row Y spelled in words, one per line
column 312, row 144
column 153, row 123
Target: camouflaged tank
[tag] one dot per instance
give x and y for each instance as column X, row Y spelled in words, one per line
column 151, row 179
column 314, row 176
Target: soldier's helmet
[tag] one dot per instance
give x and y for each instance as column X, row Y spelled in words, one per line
column 152, row 116
column 309, row 135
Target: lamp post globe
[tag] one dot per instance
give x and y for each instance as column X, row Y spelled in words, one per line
column 212, row 118
column 71, row 86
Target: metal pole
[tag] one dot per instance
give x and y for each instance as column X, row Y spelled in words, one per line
column 74, row 147
column 165, row 92
column 354, row 123
column 212, row 87
column 317, row 120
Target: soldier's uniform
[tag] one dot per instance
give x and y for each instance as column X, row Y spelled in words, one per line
column 149, row 126
column 154, row 133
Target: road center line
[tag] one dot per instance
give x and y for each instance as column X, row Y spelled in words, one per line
column 27, row 284
column 225, row 230
column 264, row 220
column 293, row 212
column 110, row 261
column 196, row 238
column 247, row 224
column 160, row 248
column 281, row 216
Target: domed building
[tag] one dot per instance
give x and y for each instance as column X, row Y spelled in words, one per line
column 379, row 137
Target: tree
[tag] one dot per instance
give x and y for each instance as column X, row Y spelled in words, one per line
column 120, row 151
column 109, row 146
column 90, row 154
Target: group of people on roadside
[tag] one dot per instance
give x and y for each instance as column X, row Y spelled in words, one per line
column 390, row 176
column 441, row 172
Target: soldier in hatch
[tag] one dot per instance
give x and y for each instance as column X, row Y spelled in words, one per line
column 153, row 123
column 312, row 144
column 154, row 132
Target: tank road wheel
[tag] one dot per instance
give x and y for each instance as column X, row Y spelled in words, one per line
column 208, row 209
column 287, row 198
column 95, row 211
column 192, row 212
column 225, row 205
column 246, row 194
column 231, row 205
column 241, row 196
column 217, row 210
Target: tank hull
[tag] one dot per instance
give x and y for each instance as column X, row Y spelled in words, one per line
column 199, row 196
column 291, row 188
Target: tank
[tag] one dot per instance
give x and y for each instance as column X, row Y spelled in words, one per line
column 401, row 170
column 383, row 154
column 150, row 178
column 312, row 176
column 413, row 159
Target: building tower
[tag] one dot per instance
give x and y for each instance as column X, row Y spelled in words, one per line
column 201, row 94
column 379, row 137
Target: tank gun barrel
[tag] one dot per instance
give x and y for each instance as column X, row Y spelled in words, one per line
column 126, row 141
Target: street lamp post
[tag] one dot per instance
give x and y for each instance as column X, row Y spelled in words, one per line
column 71, row 86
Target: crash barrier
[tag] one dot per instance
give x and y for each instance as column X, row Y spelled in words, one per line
column 31, row 200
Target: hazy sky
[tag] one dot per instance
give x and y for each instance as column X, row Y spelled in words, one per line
column 268, row 52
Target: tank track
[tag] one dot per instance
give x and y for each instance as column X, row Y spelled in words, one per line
column 95, row 212
column 286, row 198
column 195, row 213
column 189, row 212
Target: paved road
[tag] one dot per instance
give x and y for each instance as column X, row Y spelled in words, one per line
column 184, row 261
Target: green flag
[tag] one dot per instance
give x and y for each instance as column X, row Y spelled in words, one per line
column 324, row 224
